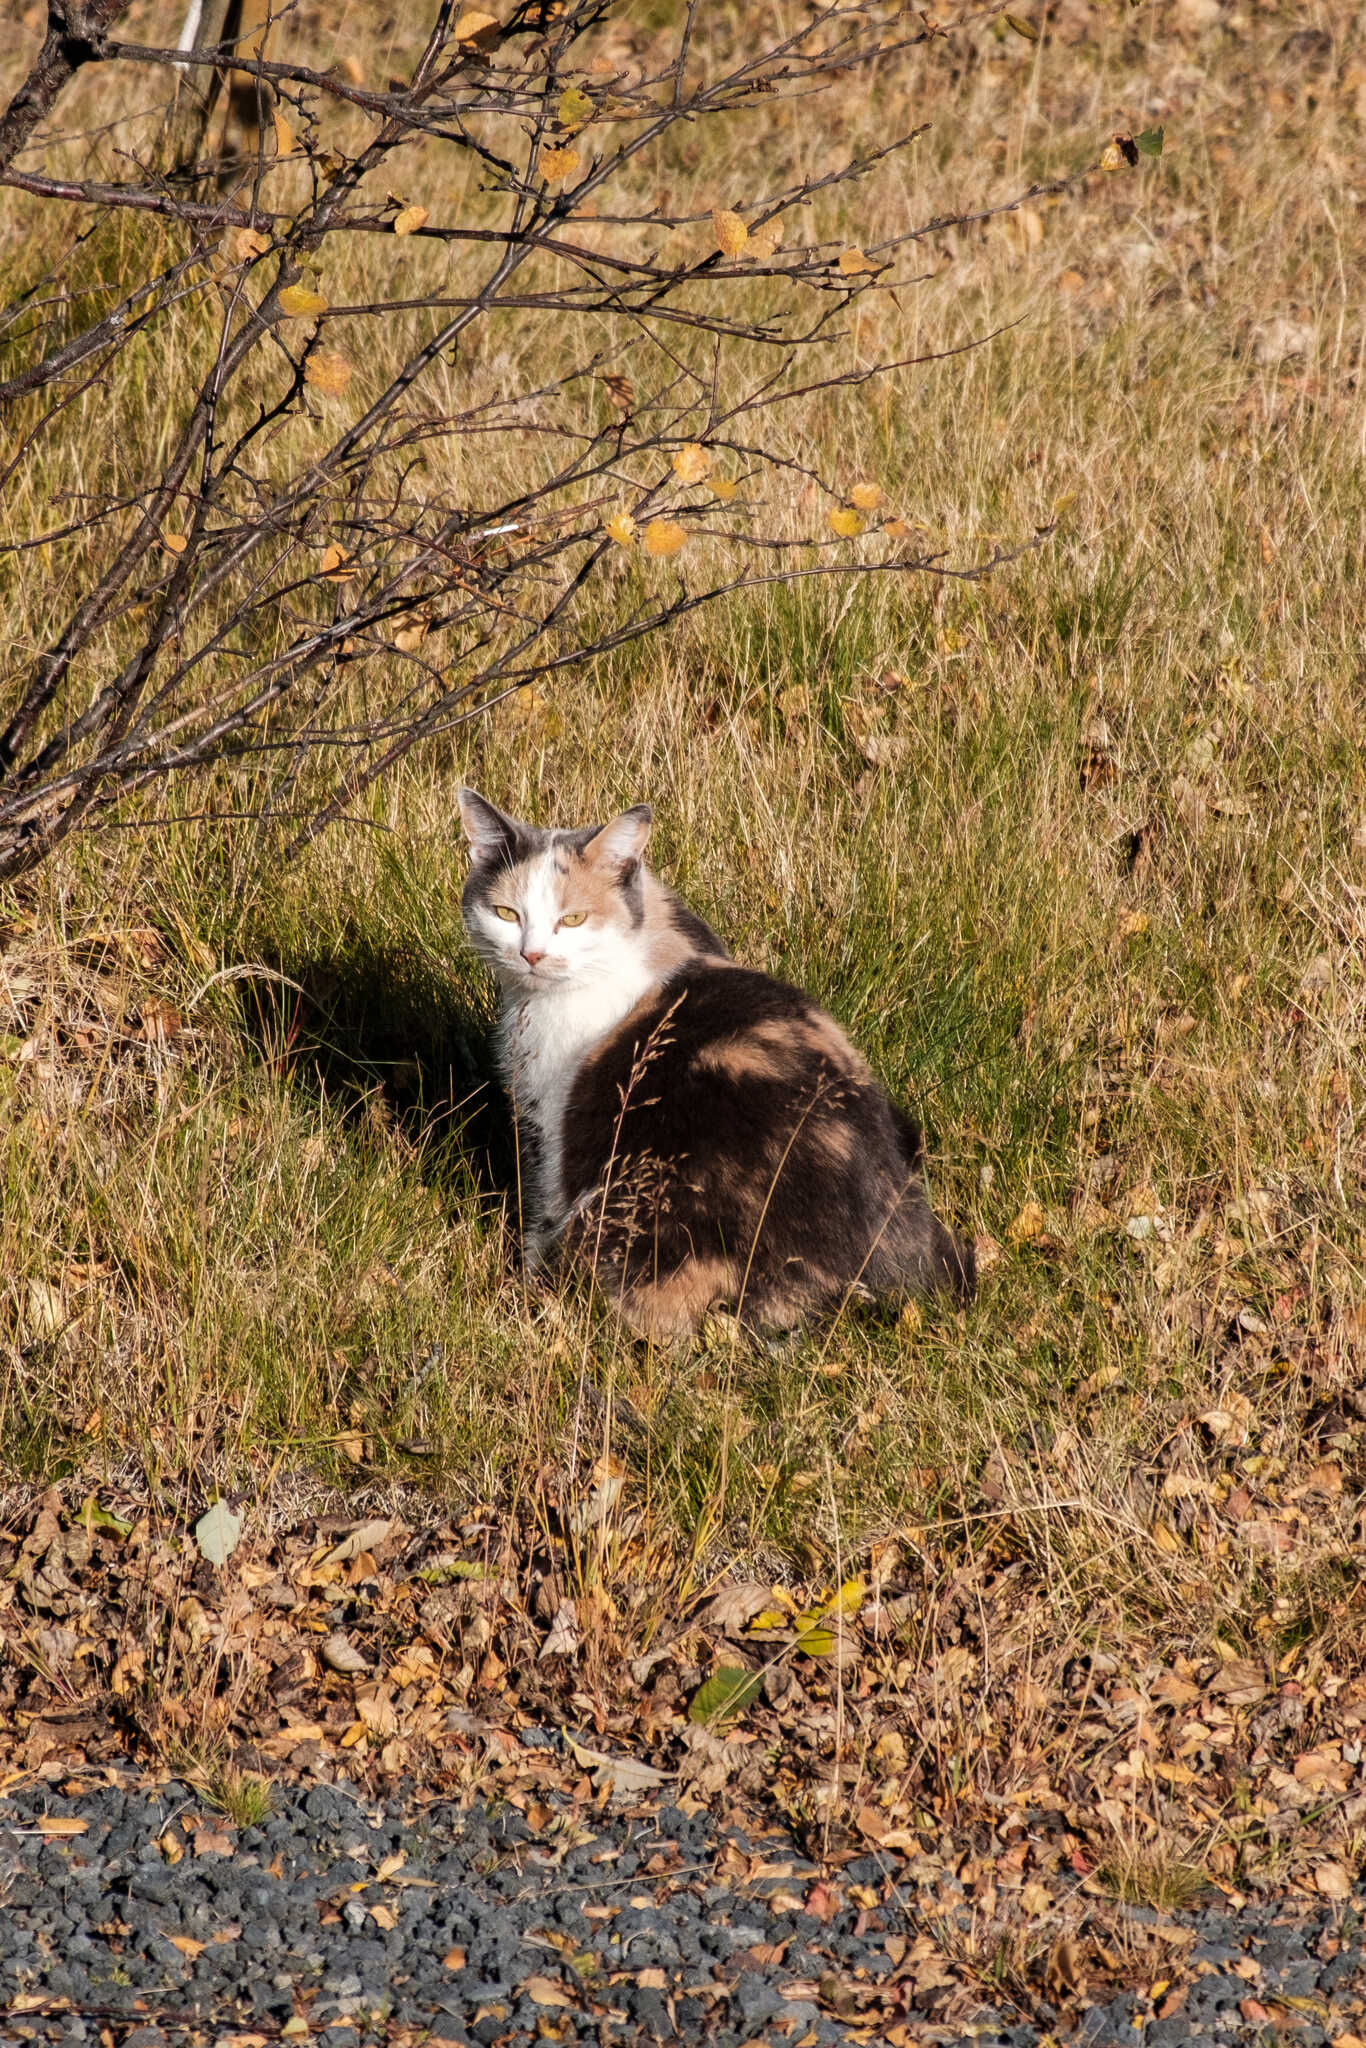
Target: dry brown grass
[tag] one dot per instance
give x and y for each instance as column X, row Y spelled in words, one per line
column 1078, row 855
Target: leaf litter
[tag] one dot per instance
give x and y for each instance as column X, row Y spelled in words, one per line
column 1019, row 1787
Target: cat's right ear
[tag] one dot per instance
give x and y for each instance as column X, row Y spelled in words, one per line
column 492, row 835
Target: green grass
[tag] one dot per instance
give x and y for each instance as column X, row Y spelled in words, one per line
column 1063, row 879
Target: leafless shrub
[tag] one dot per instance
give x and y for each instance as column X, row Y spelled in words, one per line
column 313, row 582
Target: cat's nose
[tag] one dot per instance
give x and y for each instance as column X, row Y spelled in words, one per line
column 532, row 958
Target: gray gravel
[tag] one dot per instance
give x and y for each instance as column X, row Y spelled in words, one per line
column 495, row 1923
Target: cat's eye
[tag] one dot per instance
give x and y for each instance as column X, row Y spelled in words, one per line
column 572, row 917
column 507, row 913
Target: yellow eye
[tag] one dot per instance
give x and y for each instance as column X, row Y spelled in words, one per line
column 507, row 913
column 572, row 917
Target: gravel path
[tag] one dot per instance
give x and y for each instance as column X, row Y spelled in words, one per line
column 355, row 1923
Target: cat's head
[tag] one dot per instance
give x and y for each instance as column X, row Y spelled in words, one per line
column 553, row 909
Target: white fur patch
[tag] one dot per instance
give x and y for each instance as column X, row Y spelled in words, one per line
column 544, row 1037
column 562, row 1003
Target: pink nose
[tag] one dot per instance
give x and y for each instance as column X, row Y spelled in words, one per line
column 531, row 958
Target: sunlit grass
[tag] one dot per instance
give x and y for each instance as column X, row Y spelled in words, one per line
column 1077, row 854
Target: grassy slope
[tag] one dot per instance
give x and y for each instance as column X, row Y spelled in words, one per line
column 1078, row 855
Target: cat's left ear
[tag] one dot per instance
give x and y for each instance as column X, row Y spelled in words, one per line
column 621, row 844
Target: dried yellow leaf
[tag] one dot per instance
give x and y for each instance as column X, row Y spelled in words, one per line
column 285, row 144
column 300, row 302
column 691, row 463
column 473, row 24
column 664, row 537
column 1112, row 157
column 866, row 496
column 765, row 240
column 731, row 232
column 410, row 220
column 328, row 372
column 559, row 163
column 853, row 262
column 846, row 522
column 1028, row 1225
column 244, row 243
column 409, row 638
column 896, row 529
column 621, row 528
column 545, row 1991
column 335, row 564
column 174, row 543
column 575, row 107
column 724, row 489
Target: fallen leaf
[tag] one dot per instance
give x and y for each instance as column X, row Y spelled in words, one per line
column 1027, row 1225
column 363, row 1537
column 724, row 1695
column 339, row 1653
column 545, row 1991
column 218, row 1533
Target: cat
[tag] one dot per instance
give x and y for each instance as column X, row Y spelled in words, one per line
column 694, row 1132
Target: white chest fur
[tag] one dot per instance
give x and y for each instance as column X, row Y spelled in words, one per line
column 544, row 1038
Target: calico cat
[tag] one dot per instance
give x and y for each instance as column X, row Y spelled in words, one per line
column 694, row 1132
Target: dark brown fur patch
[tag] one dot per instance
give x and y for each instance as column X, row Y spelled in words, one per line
column 728, row 1132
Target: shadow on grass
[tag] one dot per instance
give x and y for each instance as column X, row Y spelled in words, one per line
column 381, row 1037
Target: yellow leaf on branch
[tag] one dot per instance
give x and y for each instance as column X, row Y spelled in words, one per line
column 244, row 243
column 328, row 372
column 691, row 463
column 725, row 489
column 731, row 232
column 300, row 302
column 664, row 537
column 575, row 108
column 867, row 496
column 410, row 220
column 621, row 528
column 559, row 163
column 853, row 263
column 846, row 522
column 335, row 564
column 473, row 24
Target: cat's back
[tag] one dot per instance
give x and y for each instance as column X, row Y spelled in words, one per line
column 721, row 1060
